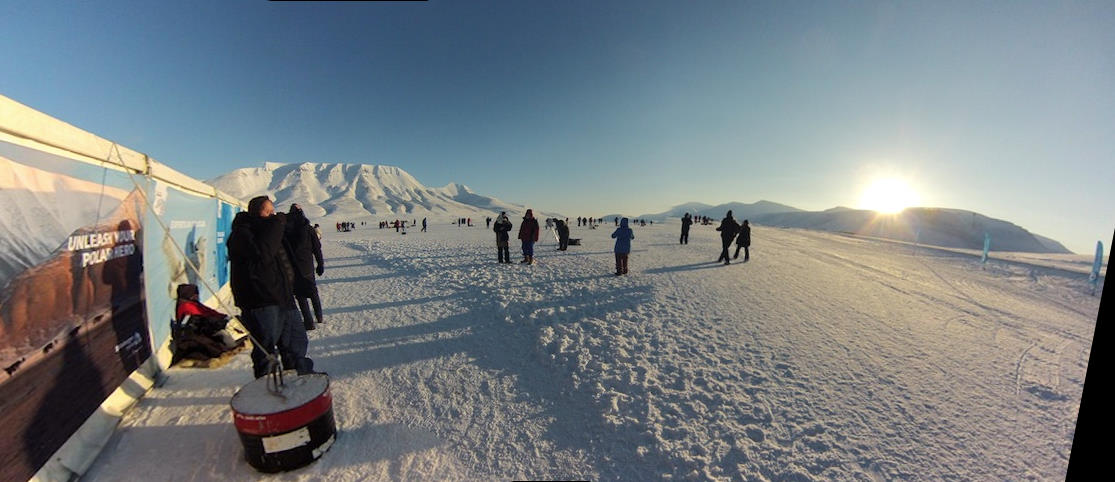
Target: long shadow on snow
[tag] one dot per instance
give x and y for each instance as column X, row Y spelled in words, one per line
column 685, row 267
column 504, row 339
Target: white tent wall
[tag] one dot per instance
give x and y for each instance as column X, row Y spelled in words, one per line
column 26, row 127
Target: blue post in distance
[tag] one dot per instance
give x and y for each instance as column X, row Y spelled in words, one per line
column 1094, row 278
column 986, row 247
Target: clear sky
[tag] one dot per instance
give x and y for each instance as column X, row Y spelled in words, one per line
column 1004, row 108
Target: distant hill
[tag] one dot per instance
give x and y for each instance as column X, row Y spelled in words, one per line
column 953, row 228
column 739, row 210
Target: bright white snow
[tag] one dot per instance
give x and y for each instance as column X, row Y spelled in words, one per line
column 824, row 357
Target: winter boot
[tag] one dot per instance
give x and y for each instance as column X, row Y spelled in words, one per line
column 524, row 261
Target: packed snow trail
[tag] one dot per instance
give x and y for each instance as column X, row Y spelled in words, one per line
column 824, row 357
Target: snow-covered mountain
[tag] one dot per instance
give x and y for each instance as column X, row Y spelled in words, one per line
column 353, row 191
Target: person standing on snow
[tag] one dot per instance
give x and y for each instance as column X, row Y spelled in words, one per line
column 261, row 277
column 744, row 241
column 623, row 236
column 528, row 234
column 423, row 225
column 305, row 249
column 502, row 228
column 728, row 229
column 563, row 235
column 686, row 221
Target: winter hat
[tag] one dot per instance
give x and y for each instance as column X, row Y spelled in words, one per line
column 729, row 213
column 530, row 213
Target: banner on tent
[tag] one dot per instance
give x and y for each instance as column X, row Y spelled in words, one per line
column 72, row 301
column 193, row 239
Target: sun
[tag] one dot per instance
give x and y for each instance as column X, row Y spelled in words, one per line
column 888, row 196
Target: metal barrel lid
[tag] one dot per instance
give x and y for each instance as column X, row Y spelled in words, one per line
column 298, row 390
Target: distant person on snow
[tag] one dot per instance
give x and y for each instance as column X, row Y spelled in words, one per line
column 502, row 228
column 488, row 222
column 617, row 221
column 623, row 236
column 423, row 225
column 563, row 235
column 728, row 229
column 528, row 234
column 260, row 275
column 686, row 221
column 305, row 250
column 744, row 241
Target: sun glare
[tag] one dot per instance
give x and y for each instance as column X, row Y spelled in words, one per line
column 888, row 196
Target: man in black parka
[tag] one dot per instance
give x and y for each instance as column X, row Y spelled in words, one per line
column 686, row 221
column 728, row 229
column 261, row 277
column 305, row 249
column 744, row 241
column 502, row 228
column 563, row 235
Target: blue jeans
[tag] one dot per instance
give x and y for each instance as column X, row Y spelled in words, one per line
column 278, row 329
column 528, row 248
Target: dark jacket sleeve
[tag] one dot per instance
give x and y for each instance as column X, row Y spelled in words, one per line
column 315, row 246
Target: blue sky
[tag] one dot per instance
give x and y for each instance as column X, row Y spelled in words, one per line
column 1005, row 108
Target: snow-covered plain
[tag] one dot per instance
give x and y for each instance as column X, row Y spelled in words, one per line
column 824, row 357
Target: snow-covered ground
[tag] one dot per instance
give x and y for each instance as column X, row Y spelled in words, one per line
column 824, row 357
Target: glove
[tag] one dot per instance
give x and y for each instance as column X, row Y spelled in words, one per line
column 320, row 269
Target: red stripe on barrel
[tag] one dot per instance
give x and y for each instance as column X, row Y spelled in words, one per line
column 281, row 422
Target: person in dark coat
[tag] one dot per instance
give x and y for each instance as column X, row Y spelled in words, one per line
column 744, row 241
column 728, row 229
column 563, row 235
column 305, row 250
column 623, row 236
column 423, row 225
column 261, row 277
column 502, row 228
column 686, row 222
column 528, row 234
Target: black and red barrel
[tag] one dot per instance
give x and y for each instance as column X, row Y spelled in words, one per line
column 287, row 429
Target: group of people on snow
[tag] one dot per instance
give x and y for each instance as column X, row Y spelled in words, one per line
column 729, row 230
column 274, row 258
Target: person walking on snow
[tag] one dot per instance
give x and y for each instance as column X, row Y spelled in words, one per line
column 502, row 228
column 623, row 236
column 423, row 225
column 728, row 228
column 686, row 221
column 744, row 241
column 528, row 234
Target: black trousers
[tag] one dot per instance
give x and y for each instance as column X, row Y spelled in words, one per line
column 746, row 252
column 504, row 252
column 724, row 253
column 563, row 243
column 304, row 307
column 684, row 237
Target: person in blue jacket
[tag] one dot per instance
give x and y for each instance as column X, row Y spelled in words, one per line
column 623, row 236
